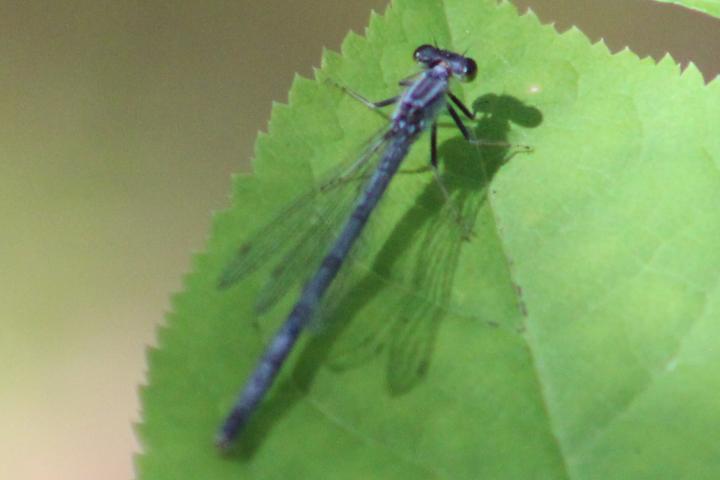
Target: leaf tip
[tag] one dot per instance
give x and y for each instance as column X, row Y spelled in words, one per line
column 692, row 73
column 668, row 61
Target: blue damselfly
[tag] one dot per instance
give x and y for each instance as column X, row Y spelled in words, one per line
column 425, row 96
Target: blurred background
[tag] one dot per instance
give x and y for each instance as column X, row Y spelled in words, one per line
column 121, row 123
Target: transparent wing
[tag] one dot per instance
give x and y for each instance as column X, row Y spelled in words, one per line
column 413, row 303
column 297, row 238
column 404, row 324
column 424, row 305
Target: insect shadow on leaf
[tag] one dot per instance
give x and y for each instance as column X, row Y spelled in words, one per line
column 407, row 329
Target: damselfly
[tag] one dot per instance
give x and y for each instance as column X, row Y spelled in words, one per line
column 426, row 95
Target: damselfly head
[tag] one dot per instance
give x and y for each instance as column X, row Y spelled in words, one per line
column 461, row 67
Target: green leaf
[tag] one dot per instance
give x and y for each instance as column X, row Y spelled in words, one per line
column 574, row 336
column 711, row 7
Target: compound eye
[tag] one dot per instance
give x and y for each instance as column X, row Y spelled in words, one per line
column 425, row 54
column 469, row 70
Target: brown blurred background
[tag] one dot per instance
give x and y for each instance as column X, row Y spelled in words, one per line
column 120, row 125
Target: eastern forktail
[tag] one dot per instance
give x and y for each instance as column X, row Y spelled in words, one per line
column 417, row 108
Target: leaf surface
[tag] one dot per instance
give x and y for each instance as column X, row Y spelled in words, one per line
column 574, row 336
